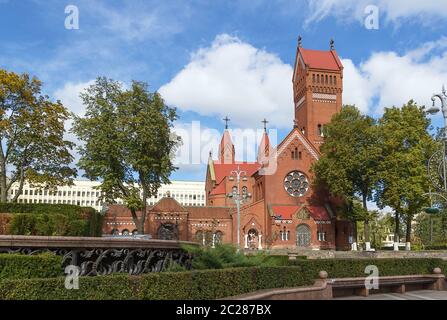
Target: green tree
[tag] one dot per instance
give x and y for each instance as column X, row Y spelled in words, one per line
column 347, row 167
column 32, row 131
column 128, row 142
column 406, row 148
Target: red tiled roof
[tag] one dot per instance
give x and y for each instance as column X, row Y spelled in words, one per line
column 318, row 213
column 208, row 212
column 284, row 212
column 119, row 210
column 223, row 170
column 327, row 60
column 168, row 204
column 220, row 189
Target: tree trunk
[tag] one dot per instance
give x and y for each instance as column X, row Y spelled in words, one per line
column 143, row 213
column 138, row 224
column 366, row 224
column 408, row 233
column 20, row 189
column 3, row 178
column 396, row 231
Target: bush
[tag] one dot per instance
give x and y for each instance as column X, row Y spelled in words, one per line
column 344, row 268
column 209, row 284
column 53, row 220
column 66, row 209
column 202, row 284
column 436, row 246
column 90, row 288
column 226, row 256
column 17, row 266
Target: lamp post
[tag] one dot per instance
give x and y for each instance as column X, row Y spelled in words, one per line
column 437, row 167
column 238, row 198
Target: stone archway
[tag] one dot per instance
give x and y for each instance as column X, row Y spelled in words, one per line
column 303, row 236
column 167, row 231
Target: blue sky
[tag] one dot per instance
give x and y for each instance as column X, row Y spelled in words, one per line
column 213, row 58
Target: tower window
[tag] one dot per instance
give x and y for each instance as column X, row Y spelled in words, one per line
column 335, row 80
column 313, row 78
column 320, row 130
column 299, row 155
column 326, row 81
column 318, row 78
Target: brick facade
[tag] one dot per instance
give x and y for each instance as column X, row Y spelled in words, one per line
column 283, row 211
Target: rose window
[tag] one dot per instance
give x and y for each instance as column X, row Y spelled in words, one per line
column 296, row 184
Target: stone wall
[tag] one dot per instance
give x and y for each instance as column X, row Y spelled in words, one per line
column 330, row 254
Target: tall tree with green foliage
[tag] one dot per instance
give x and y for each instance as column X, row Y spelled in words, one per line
column 32, row 147
column 350, row 154
column 128, row 142
column 406, row 148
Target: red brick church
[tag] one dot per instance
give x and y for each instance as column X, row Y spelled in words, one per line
column 279, row 207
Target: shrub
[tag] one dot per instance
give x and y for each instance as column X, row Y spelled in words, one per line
column 17, row 266
column 343, row 268
column 208, row 284
column 52, row 220
column 226, row 256
column 202, row 284
column 90, row 288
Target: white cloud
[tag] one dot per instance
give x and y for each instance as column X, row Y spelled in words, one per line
column 69, row 96
column 395, row 11
column 234, row 78
column 388, row 78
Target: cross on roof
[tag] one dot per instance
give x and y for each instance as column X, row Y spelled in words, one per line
column 265, row 124
column 226, row 119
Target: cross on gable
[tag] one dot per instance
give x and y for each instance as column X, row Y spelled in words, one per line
column 265, row 124
column 226, row 119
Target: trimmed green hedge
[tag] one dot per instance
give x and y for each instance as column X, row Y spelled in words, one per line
column 18, row 266
column 195, row 285
column 67, row 209
column 209, row 284
column 53, row 219
column 344, row 268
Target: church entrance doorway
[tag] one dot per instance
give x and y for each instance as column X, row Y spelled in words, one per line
column 303, row 236
column 253, row 239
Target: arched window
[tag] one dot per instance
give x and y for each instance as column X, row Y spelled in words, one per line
column 318, row 78
column 218, row 236
column 326, row 79
column 303, row 235
column 313, row 78
column 115, row 232
column 199, row 237
column 125, row 232
column 135, row 232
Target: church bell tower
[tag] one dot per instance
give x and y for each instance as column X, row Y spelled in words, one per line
column 317, row 90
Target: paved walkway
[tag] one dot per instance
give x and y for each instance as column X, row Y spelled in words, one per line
column 411, row 295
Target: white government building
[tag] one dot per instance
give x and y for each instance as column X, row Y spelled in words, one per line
column 84, row 193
